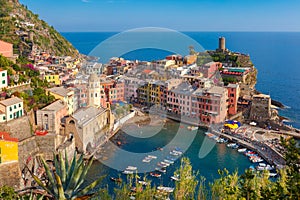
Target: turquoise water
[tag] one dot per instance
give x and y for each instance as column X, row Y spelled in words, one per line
column 219, row 157
column 274, row 54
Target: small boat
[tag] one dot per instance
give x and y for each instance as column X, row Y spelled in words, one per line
column 118, row 180
column 165, row 189
column 165, row 163
column 162, row 170
column 131, row 168
column 155, row 174
column 127, row 172
column 152, row 157
column 192, row 128
column 174, row 153
column 231, row 144
column 146, row 160
column 144, row 183
column 175, row 178
column 242, row 150
column 272, row 174
column 171, row 158
column 169, row 161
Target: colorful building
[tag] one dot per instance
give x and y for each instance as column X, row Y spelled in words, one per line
column 210, row 105
column 3, row 78
column 209, row 69
column 233, row 96
column 49, row 118
column 131, row 85
column 10, row 109
column 8, row 148
column 113, row 91
column 53, row 78
column 179, row 99
column 64, row 94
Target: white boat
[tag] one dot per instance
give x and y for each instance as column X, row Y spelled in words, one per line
column 272, row 174
column 174, row 153
column 162, row 170
column 165, row 163
column 175, row 178
column 178, row 152
column 146, row 160
column 231, row 144
column 127, row 172
column 192, row 128
column 143, row 183
column 168, row 161
column 152, row 157
column 165, row 189
column 242, row 150
column 131, row 168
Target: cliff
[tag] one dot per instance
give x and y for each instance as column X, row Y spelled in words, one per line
column 28, row 33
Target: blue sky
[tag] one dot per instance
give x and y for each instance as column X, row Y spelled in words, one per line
column 185, row 15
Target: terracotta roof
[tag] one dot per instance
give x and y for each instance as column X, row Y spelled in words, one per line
column 6, row 137
column 147, row 71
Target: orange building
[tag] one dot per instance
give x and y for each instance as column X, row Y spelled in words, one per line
column 6, row 49
column 233, row 96
column 111, row 91
column 8, row 148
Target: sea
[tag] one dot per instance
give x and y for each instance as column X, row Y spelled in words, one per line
column 274, row 54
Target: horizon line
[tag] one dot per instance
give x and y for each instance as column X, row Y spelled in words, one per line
column 212, row 31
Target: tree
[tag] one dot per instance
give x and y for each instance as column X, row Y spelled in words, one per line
column 186, row 187
column 66, row 181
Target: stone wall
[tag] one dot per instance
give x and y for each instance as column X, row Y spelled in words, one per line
column 18, row 128
column 27, row 148
column 10, row 175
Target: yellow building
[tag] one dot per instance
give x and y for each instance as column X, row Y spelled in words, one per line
column 65, row 95
column 8, row 148
column 53, row 78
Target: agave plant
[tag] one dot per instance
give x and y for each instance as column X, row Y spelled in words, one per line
column 65, row 182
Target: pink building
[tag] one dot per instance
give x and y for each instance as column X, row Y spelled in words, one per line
column 210, row 105
column 179, row 99
column 49, row 118
column 6, row 49
column 111, row 91
column 233, row 96
column 209, row 69
column 131, row 85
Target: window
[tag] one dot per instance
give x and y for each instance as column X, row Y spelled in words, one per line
column 10, row 108
column 10, row 116
column 3, row 82
column 3, row 74
column 15, row 107
column 19, row 105
column 4, row 118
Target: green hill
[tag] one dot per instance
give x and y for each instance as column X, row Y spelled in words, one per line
column 27, row 32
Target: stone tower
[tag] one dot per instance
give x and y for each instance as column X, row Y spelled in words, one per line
column 94, row 96
column 222, row 46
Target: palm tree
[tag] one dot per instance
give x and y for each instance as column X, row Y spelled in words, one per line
column 65, row 182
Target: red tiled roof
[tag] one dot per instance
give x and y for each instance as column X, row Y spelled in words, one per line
column 147, row 71
column 5, row 136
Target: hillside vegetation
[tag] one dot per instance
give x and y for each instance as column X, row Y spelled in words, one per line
column 27, row 32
